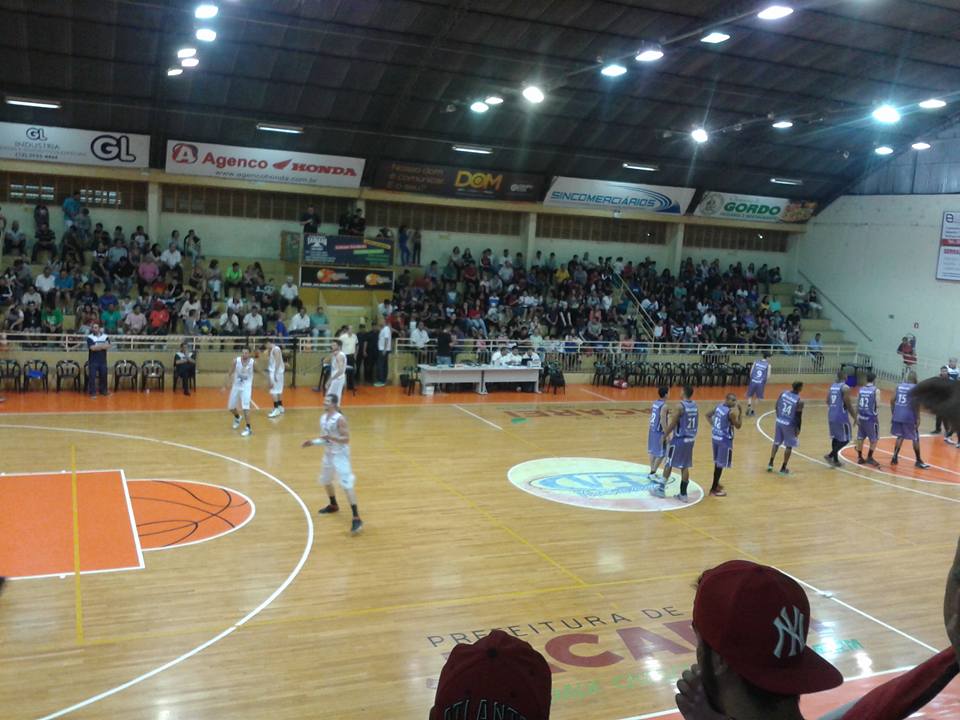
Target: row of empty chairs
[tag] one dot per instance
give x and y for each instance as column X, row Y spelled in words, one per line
column 69, row 374
column 670, row 373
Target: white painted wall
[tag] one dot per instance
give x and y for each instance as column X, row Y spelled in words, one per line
column 437, row 245
column 127, row 219
column 876, row 257
column 786, row 261
column 230, row 236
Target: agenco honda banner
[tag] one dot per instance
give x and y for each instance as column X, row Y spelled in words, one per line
column 346, row 278
column 320, row 249
column 948, row 259
column 272, row 166
column 608, row 195
column 728, row 206
column 46, row 143
column 458, row 181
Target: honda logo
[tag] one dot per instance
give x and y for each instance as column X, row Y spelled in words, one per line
column 184, row 153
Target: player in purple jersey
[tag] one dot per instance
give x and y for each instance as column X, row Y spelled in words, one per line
column 682, row 424
column 656, row 438
column 906, row 420
column 789, row 418
column 839, row 406
column 759, row 374
column 723, row 419
column 868, row 424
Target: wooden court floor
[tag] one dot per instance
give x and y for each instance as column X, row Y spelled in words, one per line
column 215, row 590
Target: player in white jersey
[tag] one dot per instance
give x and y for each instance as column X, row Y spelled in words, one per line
column 335, row 436
column 338, row 371
column 241, row 375
column 275, row 369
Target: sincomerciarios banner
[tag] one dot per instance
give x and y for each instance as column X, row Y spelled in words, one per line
column 609, row 195
column 48, row 143
column 731, row 206
column 458, row 181
column 948, row 257
column 272, row 166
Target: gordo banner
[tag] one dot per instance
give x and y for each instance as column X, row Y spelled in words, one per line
column 346, row 278
column 346, row 250
column 728, row 206
column 274, row 166
column 948, row 258
column 46, row 143
column 462, row 182
column 608, row 195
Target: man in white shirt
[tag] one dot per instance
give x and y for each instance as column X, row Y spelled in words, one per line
column 46, row 282
column 289, row 294
column 384, row 347
column 497, row 357
column 349, row 340
column 709, row 319
column 300, row 323
column 170, row 259
column 253, row 322
column 418, row 335
column 229, row 323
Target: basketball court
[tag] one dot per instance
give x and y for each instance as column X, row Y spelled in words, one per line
column 209, row 586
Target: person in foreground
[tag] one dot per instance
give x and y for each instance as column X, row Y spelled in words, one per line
column 751, row 623
column 499, row 676
column 335, row 435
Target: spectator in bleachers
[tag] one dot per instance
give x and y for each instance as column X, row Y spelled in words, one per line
column 31, row 319
column 64, row 284
column 290, row 294
column 83, row 227
column 8, row 290
column 190, row 305
column 135, row 323
column 87, row 317
column 30, row 294
column 280, row 326
column 110, row 319
column 13, row 322
column 72, row 250
column 15, row 241
column 416, row 246
column 192, row 247
column 99, row 264
column 159, row 319
column 71, row 209
column 45, row 242
column 228, row 323
column 403, row 239
column 140, row 238
column 41, row 216
column 46, row 282
column 51, row 319
column 117, row 251
column 253, row 322
column 358, row 223
column 215, row 278
column 310, row 221
column 319, row 326
column 813, row 302
column 122, row 276
column 171, row 259
column 300, row 323
column 147, row 272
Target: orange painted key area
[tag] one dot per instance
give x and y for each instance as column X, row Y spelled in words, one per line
column 37, row 530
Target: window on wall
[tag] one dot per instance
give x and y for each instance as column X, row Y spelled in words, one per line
column 253, row 204
column 444, row 218
column 733, row 238
column 101, row 192
column 578, row 227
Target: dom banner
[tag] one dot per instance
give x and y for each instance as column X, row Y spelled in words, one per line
column 47, row 143
column 458, row 181
column 323, row 249
column 609, row 195
column 730, row 206
column 346, row 278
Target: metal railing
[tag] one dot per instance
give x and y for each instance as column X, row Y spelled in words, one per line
column 645, row 322
column 839, row 309
column 891, row 367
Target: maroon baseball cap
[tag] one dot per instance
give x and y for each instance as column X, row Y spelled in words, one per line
column 499, row 670
column 757, row 619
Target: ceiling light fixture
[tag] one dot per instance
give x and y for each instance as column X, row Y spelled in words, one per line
column 533, row 94
column 475, row 149
column 921, row 145
column 186, row 52
column 644, row 167
column 280, row 128
column 190, row 62
column 786, row 181
column 649, row 53
column 493, row 100
column 783, row 124
column 479, row 106
column 886, row 114
column 33, row 102
column 932, row 104
column 206, row 35
column 700, row 135
column 884, row 150
column 775, row 12
column 174, row 71
column 613, row 70
column 715, row 38
column 206, row 11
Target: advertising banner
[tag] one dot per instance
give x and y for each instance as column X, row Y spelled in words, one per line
column 458, row 181
column 948, row 259
column 272, row 166
column 323, row 249
column 346, row 278
column 730, row 206
column 46, row 143
column 608, row 195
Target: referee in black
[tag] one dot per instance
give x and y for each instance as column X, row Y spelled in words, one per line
column 98, row 342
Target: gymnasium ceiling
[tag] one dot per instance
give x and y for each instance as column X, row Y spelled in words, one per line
column 393, row 79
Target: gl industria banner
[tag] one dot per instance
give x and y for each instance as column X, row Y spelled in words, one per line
column 46, row 143
column 728, row 206
column 948, row 257
column 346, row 278
column 458, row 181
column 320, row 249
column 272, row 166
column 609, row 195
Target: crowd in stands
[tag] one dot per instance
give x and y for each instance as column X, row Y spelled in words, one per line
column 557, row 304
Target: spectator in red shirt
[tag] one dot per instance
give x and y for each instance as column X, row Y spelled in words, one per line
column 159, row 319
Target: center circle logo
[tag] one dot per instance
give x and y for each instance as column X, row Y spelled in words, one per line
column 599, row 484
